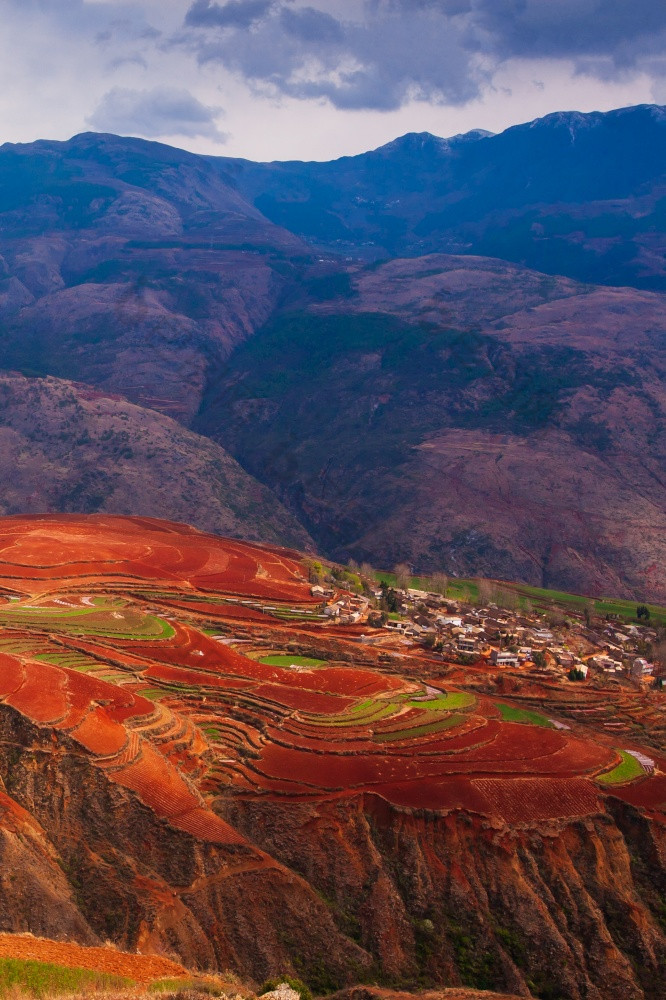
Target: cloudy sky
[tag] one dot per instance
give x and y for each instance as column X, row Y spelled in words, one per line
column 314, row 79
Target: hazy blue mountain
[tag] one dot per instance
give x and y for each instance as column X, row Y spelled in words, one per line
column 576, row 194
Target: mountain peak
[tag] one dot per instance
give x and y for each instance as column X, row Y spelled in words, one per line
column 420, row 143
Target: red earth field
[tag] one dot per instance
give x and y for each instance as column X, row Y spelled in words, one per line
column 314, row 731
column 135, row 647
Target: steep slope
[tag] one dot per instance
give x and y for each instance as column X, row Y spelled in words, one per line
column 128, row 264
column 466, row 414
column 67, row 447
column 575, row 194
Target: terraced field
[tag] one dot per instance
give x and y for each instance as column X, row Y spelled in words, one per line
column 128, row 635
column 193, row 676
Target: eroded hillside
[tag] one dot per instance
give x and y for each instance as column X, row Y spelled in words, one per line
column 466, row 414
column 67, row 447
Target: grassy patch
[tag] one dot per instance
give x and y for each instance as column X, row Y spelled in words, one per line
column 628, row 770
column 42, row 978
column 426, row 730
column 510, row 713
column 447, row 703
column 457, row 589
column 153, row 694
column 286, row 660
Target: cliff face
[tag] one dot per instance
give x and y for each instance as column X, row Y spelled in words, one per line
column 349, row 888
column 104, row 866
column 559, row 909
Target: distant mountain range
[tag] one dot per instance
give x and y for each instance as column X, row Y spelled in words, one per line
column 449, row 352
column 576, row 194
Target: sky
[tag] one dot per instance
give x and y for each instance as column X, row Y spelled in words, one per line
column 317, row 79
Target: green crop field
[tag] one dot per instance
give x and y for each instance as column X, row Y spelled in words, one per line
column 287, row 660
column 425, row 730
column 628, row 770
column 510, row 713
column 448, row 702
column 106, row 621
column 373, row 711
column 43, row 978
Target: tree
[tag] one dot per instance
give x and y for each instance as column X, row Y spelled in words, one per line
column 368, row 571
column 486, row 591
column 403, row 576
column 539, row 659
column 643, row 612
column 439, row 584
column 505, row 598
column 315, row 571
column 389, row 599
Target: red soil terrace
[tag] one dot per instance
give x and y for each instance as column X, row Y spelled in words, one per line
column 215, row 722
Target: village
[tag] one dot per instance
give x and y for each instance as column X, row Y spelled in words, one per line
column 542, row 643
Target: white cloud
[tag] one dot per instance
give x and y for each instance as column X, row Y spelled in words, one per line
column 313, row 78
column 156, row 113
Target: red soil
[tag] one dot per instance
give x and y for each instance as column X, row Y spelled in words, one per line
column 140, row 968
column 43, row 548
column 516, row 772
column 522, row 800
column 42, row 696
column 303, row 700
column 159, row 785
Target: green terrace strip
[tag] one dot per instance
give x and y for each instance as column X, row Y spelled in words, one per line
column 372, row 712
column 628, row 770
column 511, row 714
column 448, row 702
column 363, row 706
column 89, row 621
column 280, row 660
column 43, row 978
column 152, row 694
column 425, row 730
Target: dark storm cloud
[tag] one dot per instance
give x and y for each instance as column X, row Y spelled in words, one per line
column 234, row 14
column 158, row 112
column 435, row 50
column 310, row 25
column 377, row 61
column 619, row 31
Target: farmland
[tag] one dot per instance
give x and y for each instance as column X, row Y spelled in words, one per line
column 189, row 676
column 116, row 651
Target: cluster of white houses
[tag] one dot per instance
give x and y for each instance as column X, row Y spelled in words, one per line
column 513, row 638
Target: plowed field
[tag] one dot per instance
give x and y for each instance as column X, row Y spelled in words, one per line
column 115, row 606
